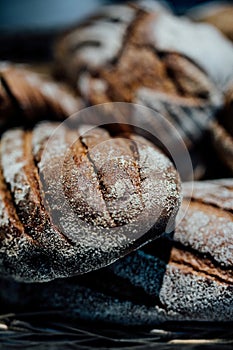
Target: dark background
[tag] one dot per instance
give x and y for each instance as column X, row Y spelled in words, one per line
column 51, row 14
column 28, row 27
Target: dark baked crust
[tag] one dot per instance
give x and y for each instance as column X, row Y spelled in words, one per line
column 189, row 277
column 150, row 57
column 120, row 187
column 27, row 97
column 153, row 59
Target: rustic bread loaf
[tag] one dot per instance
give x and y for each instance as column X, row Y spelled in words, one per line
column 80, row 201
column 27, row 97
column 189, row 277
column 147, row 56
column 129, row 53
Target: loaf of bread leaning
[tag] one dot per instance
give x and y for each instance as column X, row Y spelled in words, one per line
column 80, row 202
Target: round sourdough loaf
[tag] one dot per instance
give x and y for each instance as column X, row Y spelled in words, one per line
column 81, row 201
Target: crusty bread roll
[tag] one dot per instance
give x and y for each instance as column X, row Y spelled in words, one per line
column 76, row 202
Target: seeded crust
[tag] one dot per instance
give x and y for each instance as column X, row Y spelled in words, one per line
column 27, row 97
column 73, row 204
column 221, row 131
column 218, row 14
column 187, row 277
column 153, row 59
